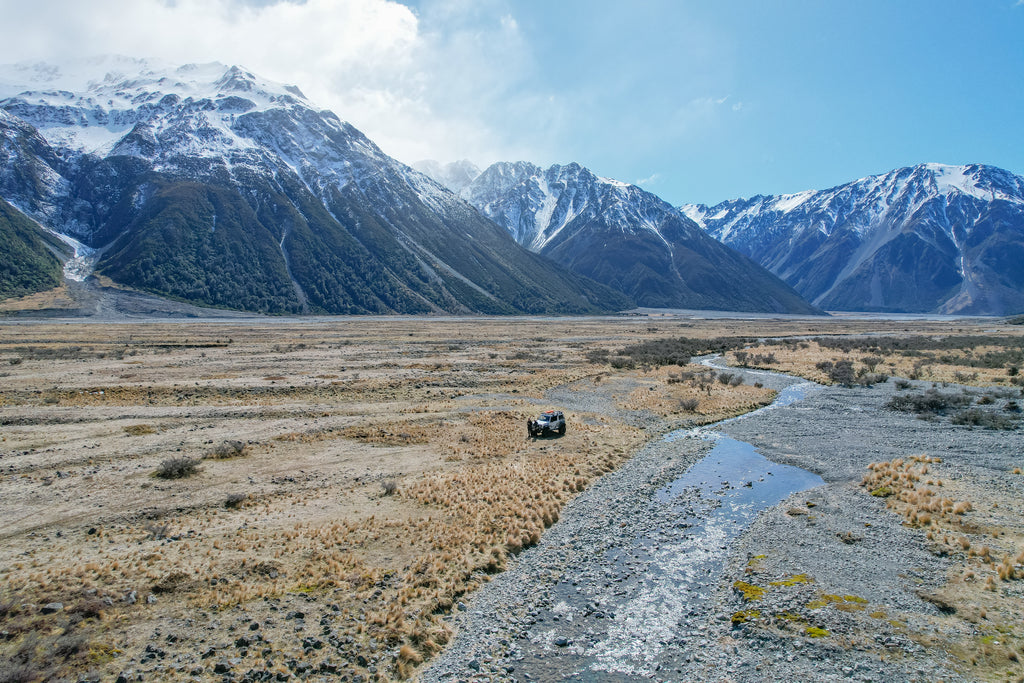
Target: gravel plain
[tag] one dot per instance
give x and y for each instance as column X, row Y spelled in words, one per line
column 650, row 575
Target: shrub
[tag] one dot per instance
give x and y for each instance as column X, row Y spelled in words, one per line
column 177, row 468
column 931, row 401
column 840, row 372
column 689, row 404
column 679, row 350
column 975, row 417
column 871, row 362
column 389, row 487
column 235, row 500
column 229, row 449
column 156, row 530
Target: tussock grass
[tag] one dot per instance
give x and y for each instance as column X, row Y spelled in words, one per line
column 447, row 404
column 139, row 430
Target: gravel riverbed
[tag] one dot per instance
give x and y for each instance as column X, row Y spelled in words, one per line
column 648, row 576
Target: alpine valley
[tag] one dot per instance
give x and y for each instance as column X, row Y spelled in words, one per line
column 208, row 185
column 622, row 236
column 212, row 186
column 927, row 239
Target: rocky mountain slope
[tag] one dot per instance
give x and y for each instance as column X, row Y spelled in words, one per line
column 929, row 238
column 209, row 184
column 31, row 259
column 624, row 237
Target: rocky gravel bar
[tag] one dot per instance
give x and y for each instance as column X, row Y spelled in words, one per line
column 667, row 570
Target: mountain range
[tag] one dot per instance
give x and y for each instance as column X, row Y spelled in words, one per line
column 208, row 184
column 627, row 238
column 930, row 238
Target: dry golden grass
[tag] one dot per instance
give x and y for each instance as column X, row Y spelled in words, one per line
column 988, row 545
column 333, row 417
column 670, row 391
column 802, row 358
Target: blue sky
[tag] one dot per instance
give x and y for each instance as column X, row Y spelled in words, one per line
column 704, row 101
column 695, row 100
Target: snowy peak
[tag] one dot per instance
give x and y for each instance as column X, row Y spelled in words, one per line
column 625, row 237
column 920, row 239
column 210, row 184
column 862, row 205
column 88, row 112
column 537, row 205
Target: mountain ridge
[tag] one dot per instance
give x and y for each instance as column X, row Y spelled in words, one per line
column 625, row 237
column 926, row 238
column 209, row 184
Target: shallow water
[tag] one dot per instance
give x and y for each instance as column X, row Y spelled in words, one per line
column 671, row 573
column 635, row 603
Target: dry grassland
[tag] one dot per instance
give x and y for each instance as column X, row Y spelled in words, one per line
column 804, row 358
column 290, row 496
column 982, row 531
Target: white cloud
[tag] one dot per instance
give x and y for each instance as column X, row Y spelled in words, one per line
column 649, row 180
column 415, row 92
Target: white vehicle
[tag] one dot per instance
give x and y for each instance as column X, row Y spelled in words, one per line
column 548, row 423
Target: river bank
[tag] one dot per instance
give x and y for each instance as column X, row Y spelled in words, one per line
column 827, row 585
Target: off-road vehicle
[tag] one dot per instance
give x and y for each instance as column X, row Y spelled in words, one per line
column 548, row 423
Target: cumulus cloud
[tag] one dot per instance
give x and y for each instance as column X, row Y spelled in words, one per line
column 417, row 92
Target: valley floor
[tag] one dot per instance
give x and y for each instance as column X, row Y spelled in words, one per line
column 827, row 585
column 336, row 499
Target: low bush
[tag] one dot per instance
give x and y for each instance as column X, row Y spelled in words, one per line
column 229, row 449
column 177, row 468
column 840, row 372
column 157, row 530
column 871, row 378
column 975, row 417
column 235, row 500
column 689, row 404
column 677, row 350
column 931, row 401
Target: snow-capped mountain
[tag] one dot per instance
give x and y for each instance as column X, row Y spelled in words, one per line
column 929, row 238
column 456, row 176
column 210, row 184
column 625, row 237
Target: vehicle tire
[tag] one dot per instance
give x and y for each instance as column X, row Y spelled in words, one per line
column 561, row 430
